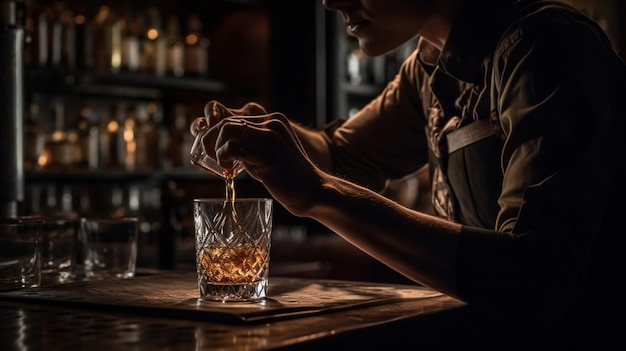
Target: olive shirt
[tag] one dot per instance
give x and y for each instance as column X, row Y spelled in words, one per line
column 539, row 194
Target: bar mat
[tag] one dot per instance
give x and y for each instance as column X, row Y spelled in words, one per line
column 175, row 294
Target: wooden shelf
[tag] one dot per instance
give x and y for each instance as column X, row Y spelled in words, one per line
column 122, row 84
column 119, row 176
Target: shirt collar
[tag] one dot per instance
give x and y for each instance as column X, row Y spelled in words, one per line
column 471, row 41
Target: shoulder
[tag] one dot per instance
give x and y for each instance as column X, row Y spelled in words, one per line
column 417, row 67
column 549, row 24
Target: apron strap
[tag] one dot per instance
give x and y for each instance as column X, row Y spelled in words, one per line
column 469, row 134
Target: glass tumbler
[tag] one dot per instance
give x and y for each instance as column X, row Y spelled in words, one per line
column 233, row 248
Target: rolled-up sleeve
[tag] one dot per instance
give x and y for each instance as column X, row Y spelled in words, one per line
column 384, row 140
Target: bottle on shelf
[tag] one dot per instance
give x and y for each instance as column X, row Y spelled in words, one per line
column 41, row 41
column 149, row 137
column 115, row 46
column 65, row 55
column 50, row 200
column 131, row 43
column 358, row 65
column 85, row 132
column 30, row 33
column 129, row 132
column 56, row 35
column 164, row 135
column 175, row 48
column 84, row 29
column 34, row 136
column 196, row 48
column 85, row 199
column 180, row 140
column 59, row 151
column 111, row 139
column 154, row 46
column 115, row 205
column 107, row 39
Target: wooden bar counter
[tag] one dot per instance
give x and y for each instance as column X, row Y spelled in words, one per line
column 160, row 310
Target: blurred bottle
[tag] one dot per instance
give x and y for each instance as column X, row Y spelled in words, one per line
column 115, row 48
column 84, row 199
column 111, row 140
column 358, row 66
column 42, row 40
column 34, row 135
column 130, row 139
column 61, row 36
column 144, row 203
column 56, row 35
column 67, row 201
column 196, row 48
column 84, row 36
column 49, row 199
column 59, row 150
column 107, row 39
column 86, row 135
column 150, row 137
column 154, row 55
column 31, row 32
column 115, row 205
column 175, row 48
column 131, row 44
column 180, row 140
column 67, row 50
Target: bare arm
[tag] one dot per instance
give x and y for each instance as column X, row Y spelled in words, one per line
column 419, row 246
column 315, row 145
column 422, row 247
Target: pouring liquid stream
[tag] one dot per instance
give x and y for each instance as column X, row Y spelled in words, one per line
column 230, row 222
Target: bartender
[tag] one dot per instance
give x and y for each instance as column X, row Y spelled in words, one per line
column 516, row 106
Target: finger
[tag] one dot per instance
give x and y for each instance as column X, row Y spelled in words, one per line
column 247, row 137
column 257, row 148
column 212, row 133
column 249, row 109
column 276, row 122
column 233, row 133
column 197, row 125
column 215, row 112
column 252, row 140
column 252, row 120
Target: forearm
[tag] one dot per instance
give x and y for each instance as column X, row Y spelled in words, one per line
column 315, row 146
column 422, row 247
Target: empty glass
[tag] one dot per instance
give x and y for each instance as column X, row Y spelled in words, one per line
column 59, row 248
column 20, row 253
column 110, row 247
